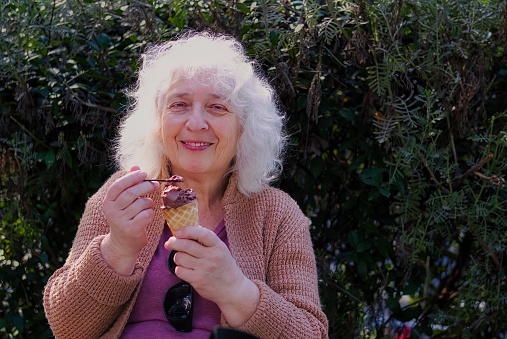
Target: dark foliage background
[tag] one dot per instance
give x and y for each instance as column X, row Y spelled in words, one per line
column 397, row 111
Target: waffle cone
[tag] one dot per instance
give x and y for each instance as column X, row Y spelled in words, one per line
column 186, row 215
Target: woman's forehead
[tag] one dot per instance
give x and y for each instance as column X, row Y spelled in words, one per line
column 185, row 87
column 184, row 93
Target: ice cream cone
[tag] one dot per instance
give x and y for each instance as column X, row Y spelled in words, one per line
column 186, row 215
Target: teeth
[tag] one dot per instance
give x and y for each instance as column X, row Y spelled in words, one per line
column 197, row 144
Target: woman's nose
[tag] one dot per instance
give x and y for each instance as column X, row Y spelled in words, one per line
column 196, row 120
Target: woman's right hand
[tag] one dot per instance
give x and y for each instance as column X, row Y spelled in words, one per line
column 128, row 215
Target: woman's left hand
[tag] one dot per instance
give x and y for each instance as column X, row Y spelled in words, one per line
column 205, row 262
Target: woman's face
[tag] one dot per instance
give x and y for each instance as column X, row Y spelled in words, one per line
column 199, row 130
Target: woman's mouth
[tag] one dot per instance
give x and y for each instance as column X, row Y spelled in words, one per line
column 196, row 145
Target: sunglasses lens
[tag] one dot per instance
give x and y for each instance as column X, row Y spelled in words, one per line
column 179, row 306
column 170, row 261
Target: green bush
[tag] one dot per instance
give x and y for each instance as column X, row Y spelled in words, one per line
column 397, row 112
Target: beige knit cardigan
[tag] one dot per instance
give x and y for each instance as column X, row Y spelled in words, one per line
column 268, row 237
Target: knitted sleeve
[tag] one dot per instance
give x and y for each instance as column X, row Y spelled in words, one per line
column 83, row 298
column 289, row 304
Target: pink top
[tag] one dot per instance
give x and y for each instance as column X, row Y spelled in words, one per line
column 147, row 319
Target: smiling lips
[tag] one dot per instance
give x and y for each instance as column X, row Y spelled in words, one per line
column 196, row 145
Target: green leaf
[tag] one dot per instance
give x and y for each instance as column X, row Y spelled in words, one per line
column 348, row 114
column 372, row 176
column 243, row 9
column 364, row 246
column 316, row 166
column 93, row 45
column 354, row 238
column 103, row 40
column 383, row 246
column 273, row 37
column 18, row 321
column 385, row 192
column 362, row 268
column 411, row 288
column 393, row 304
column 49, row 159
column 68, row 159
column 44, row 92
column 374, row 195
column 358, row 162
column 44, row 258
column 349, row 203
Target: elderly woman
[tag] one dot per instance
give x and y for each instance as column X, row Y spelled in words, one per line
column 201, row 111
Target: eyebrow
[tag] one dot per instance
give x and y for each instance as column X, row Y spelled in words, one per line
column 185, row 94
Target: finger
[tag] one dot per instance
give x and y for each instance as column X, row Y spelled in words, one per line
column 193, row 268
column 185, row 260
column 133, row 193
column 123, row 183
column 202, row 235
column 135, row 168
column 184, row 273
column 189, row 246
column 137, row 207
column 143, row 217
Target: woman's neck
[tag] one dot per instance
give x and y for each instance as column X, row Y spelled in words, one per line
column 209, row 190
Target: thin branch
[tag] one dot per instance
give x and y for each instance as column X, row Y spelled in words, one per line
column 490, row 252
column 27, row 131
column 89, row 104
column 459, row 181
column 494, row 180
column 435, row 180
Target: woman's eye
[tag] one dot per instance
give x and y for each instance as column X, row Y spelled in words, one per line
column 218, row 109
column 177, row 106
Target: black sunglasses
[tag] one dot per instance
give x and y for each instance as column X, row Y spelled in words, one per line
column 179, row 302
